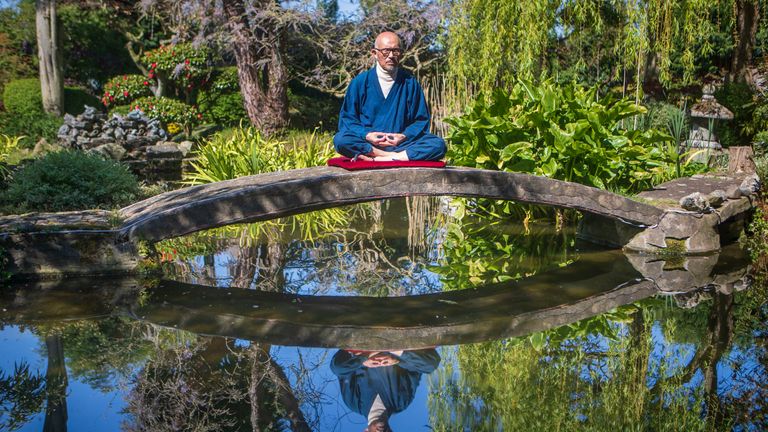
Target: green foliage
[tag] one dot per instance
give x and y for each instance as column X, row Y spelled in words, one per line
column 31, row 126
column 93, row 45
column 75, row 100
column 757, row 242
column 17, row 34
column 482, row 248
column 221, row 100
column 23, row 96
column 168, row 111
column 8, row 144
column 22, row 396
column 562, row 132
column 738, row 98
column 245, row 151
column 124, row 89
column 309, row 109
column 70, row 180
column 760, row 145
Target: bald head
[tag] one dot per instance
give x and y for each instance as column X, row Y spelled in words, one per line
column 387, row 40
column 387, row 51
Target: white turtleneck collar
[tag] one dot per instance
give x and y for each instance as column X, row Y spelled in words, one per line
column 386, row 79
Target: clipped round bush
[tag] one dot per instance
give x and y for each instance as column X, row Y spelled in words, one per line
column 70, row 180
column 23, row 96
column 221, row 100
column 168, row 111
column 184, row 64
column 124, row 89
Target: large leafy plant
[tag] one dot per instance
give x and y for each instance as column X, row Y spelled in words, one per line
column 563, row 132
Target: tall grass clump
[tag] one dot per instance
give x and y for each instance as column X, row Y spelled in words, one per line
column 246, row 151
column 69, row 180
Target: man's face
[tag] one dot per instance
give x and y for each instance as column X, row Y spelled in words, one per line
column 388, row 52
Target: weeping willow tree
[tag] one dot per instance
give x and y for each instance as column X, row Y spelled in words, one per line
column 494, row 42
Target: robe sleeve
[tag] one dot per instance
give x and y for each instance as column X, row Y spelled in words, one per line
column 419, row 113
column 344, row 364
column 421, row 361
column 349, row 116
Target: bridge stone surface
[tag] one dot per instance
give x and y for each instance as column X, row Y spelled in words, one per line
column 272, row 195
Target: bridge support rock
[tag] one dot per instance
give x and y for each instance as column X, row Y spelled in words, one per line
column 39, row 255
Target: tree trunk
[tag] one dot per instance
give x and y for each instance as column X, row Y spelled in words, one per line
column 260, row 66
column 747, row 13
column 49, row 54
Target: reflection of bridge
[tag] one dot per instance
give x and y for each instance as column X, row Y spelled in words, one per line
column 610, row 219
column 595, row 284
column 272, row 195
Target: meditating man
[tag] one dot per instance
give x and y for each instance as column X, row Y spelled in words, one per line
column 385, row 116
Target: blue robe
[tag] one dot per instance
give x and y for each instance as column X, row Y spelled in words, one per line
column 403, row 111
column 395, row 385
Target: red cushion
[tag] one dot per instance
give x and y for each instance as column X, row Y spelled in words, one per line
column 349, row 164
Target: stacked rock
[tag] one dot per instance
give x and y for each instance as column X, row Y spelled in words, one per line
column 135, row 139
column 91, row 129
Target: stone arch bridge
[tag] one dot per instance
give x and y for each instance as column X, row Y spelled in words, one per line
column 272, row 195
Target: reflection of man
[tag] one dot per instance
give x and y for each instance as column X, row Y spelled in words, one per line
column 385, row 116
column 377, row 384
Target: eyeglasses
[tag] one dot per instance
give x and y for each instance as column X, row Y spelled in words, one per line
column 386, row 52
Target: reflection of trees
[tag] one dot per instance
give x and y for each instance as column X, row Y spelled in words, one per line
column 212, row 384
column 22, row 394
column 642, row 379
column 99, row 351
column 492, row 248
column 383, row 250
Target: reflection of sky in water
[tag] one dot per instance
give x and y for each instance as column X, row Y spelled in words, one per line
column 326, row 269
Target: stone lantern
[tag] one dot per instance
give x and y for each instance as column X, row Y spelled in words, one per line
column 702, row 142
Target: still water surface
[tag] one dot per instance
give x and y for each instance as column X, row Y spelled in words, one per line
column 410, row 310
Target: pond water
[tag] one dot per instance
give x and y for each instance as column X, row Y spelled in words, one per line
column 416, row 310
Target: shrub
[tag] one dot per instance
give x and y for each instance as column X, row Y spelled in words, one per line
column 168, row 111
column 70, row 180
column 183, row 64
column 562, row 132
column 124, row 89
column 221, row 100
column 23, row 96
column 32, row 126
